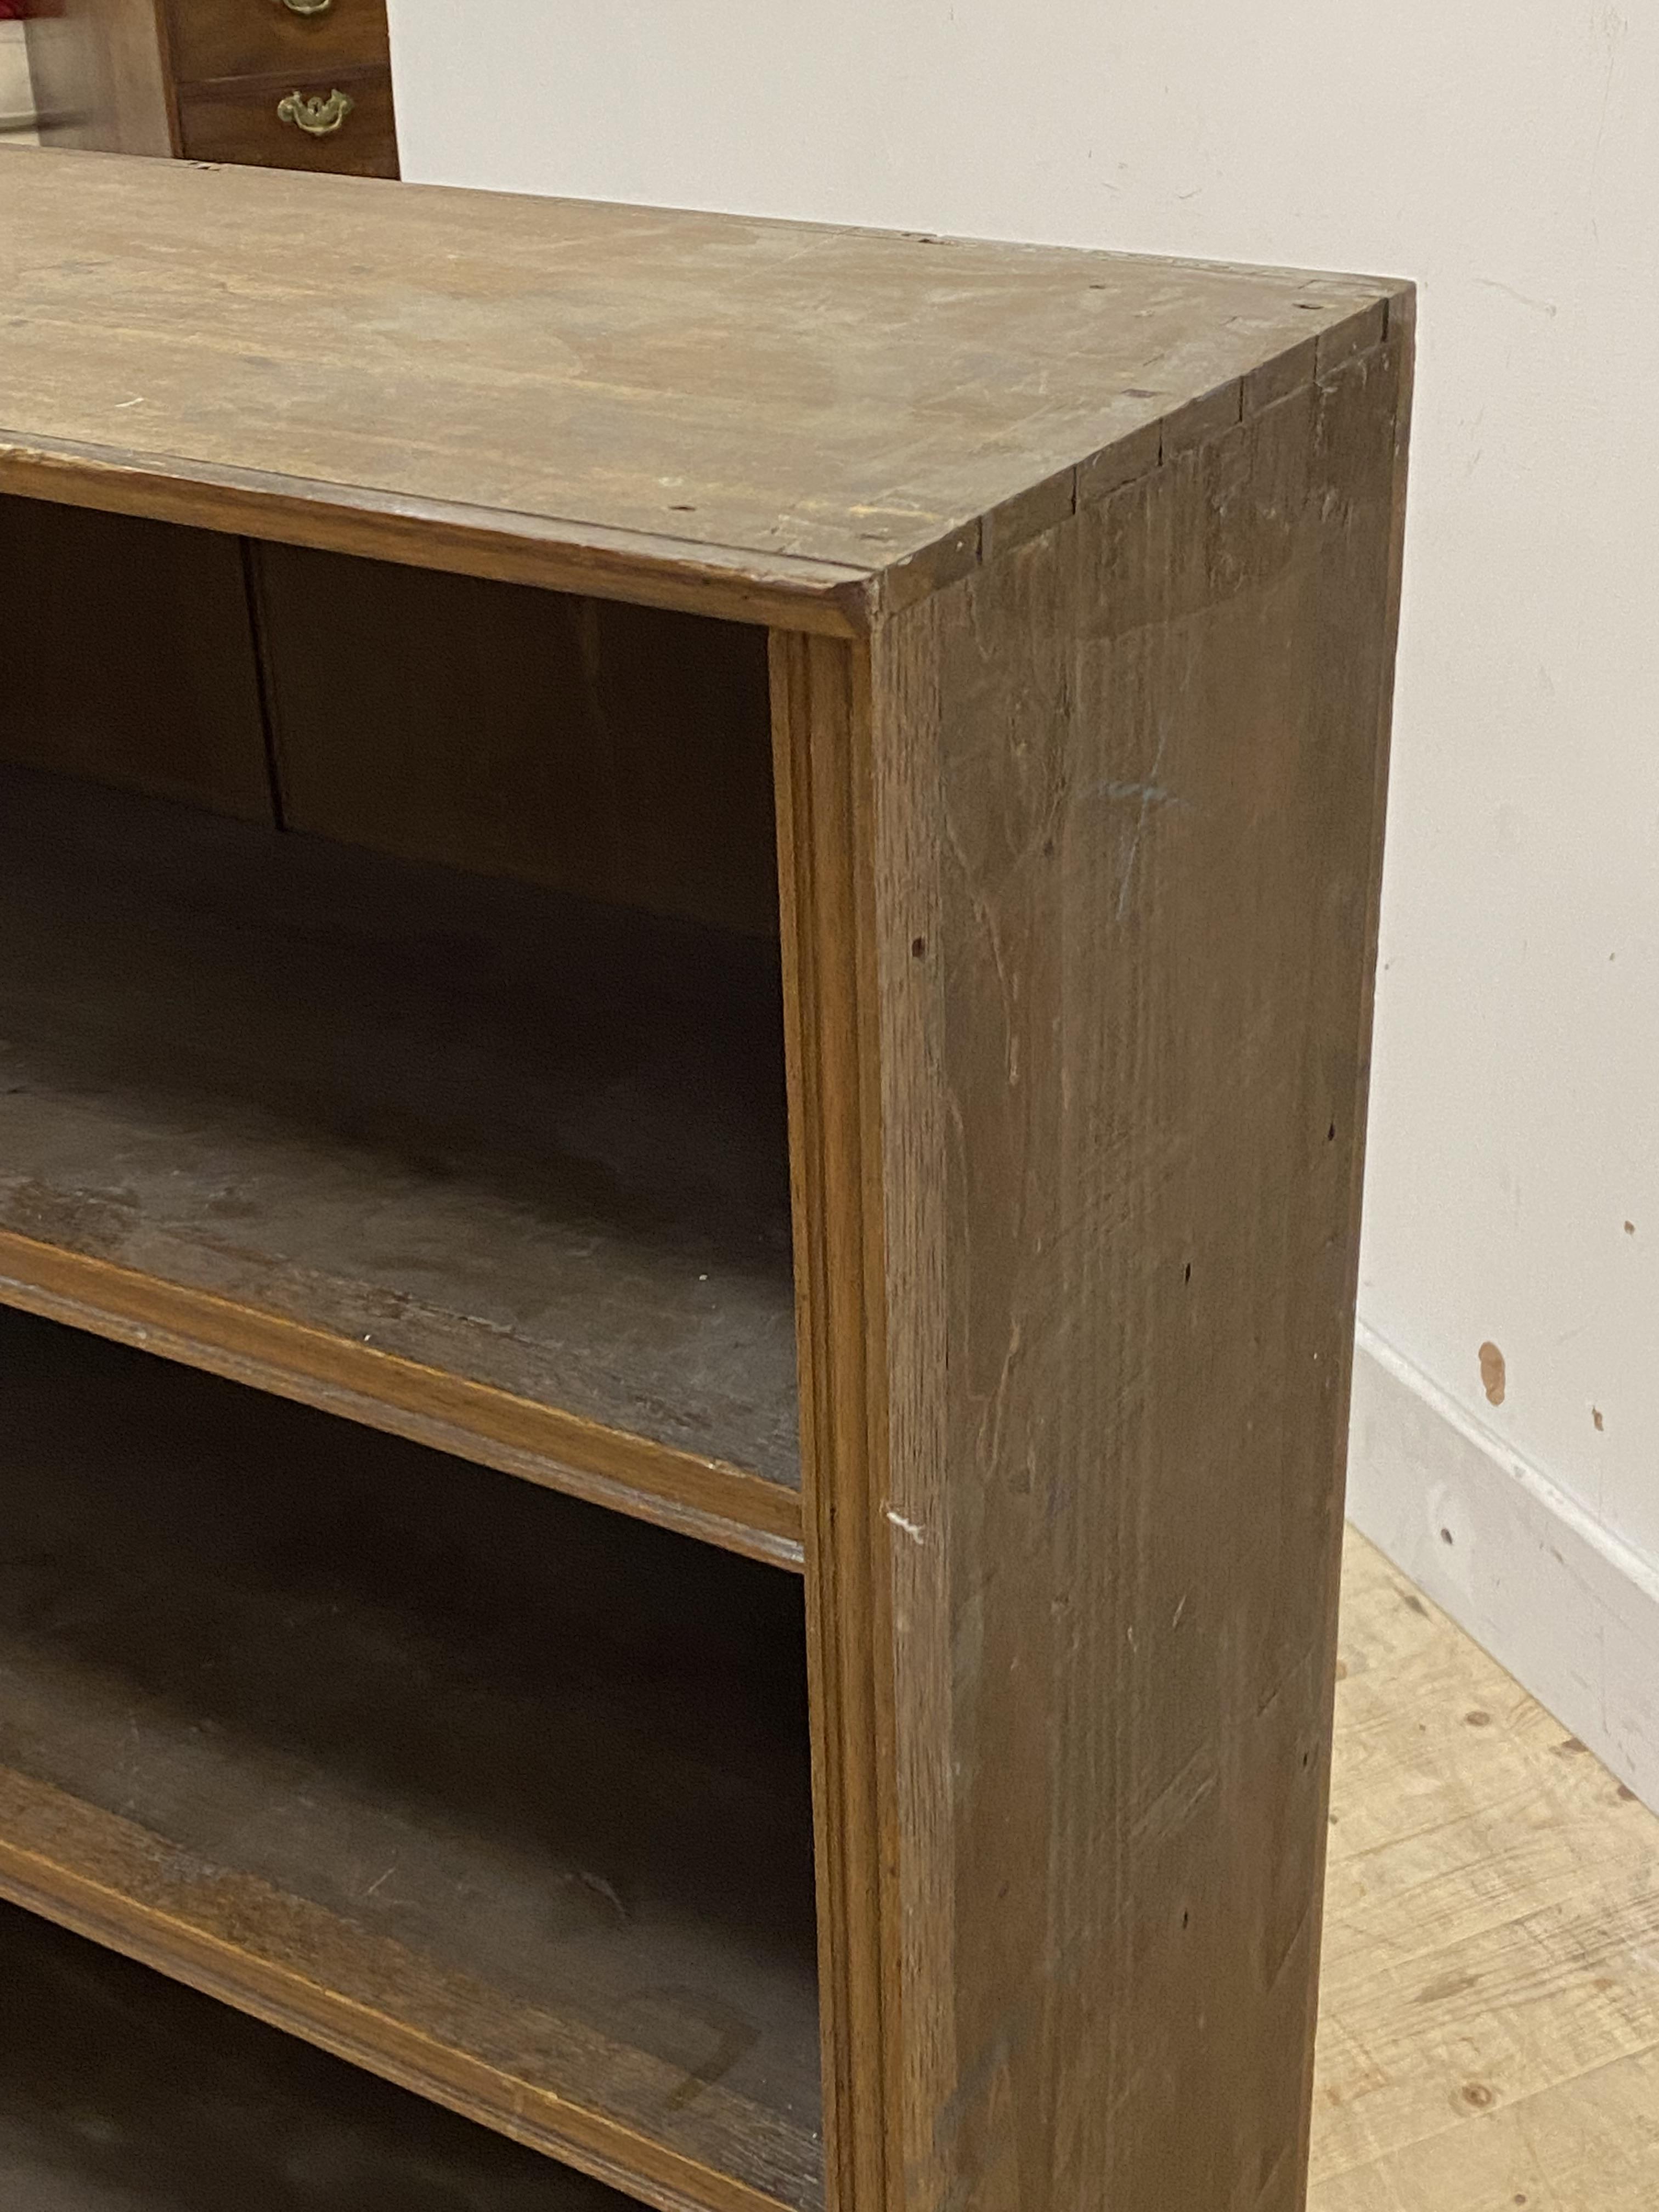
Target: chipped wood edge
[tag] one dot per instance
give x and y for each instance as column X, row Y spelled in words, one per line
column 721, row 1505
column 822, row 738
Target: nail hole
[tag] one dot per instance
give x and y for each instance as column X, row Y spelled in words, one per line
column 918, row 947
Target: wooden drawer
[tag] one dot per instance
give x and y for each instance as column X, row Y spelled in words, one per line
column 253, row 38
column 237, row 119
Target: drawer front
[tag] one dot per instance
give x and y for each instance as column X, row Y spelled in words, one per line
column 253, row 38
column 252, row 120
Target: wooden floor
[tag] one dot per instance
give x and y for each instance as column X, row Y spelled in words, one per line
column 1490, row 2030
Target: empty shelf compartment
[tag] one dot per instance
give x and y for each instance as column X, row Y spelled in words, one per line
column 497, row 1793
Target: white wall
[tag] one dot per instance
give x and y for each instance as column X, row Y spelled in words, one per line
column 1506, row 154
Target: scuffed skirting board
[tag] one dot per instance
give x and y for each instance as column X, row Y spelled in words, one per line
column 1568, row 1610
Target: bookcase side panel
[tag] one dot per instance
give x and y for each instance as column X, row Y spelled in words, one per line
column 1125, row 829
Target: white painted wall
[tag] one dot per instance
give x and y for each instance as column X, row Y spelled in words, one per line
column 1506, row 154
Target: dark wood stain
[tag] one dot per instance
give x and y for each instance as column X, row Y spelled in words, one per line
column 167, row 701
column 531, row 1143
column 213, row 38
column 526, row 1777
column 620, row 752
column 204, row 78
column 119, row 2088
column 236, row 119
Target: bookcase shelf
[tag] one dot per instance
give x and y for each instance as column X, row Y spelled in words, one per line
column 500, row 1167
column 687, row 919
column 117, row 2087
column 496, row 1791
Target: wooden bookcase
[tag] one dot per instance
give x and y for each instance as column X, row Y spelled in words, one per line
column 687, row 910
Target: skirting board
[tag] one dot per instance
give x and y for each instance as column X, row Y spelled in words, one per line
column 1568, row 1609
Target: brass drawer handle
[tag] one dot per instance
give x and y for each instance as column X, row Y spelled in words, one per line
column 308, row 6
column 315, row 116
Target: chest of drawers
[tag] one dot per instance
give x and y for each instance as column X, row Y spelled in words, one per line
column 277, row 84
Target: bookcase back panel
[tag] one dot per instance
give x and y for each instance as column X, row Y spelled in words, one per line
column 475, row 1128
column 389, row 1002
column 620, row 753
column 126, row 656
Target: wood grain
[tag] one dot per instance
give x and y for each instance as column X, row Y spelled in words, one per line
column 622, row 753
column 1489, row 2024
column 236, row 119
column 712, row 580
column 1460, row 1814
column 1120, row 899
column 497, row 1794
column 255, row 38
column 647, row 380
column 118, row 2088
column 1083, row 576
column 504, row 1171
column 202, row 78
column 168, row 700
column 823, row 729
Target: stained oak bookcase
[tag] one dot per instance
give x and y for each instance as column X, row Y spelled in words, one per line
column 687, row 910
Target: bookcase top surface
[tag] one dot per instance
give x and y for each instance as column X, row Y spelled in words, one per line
column 783, row 421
